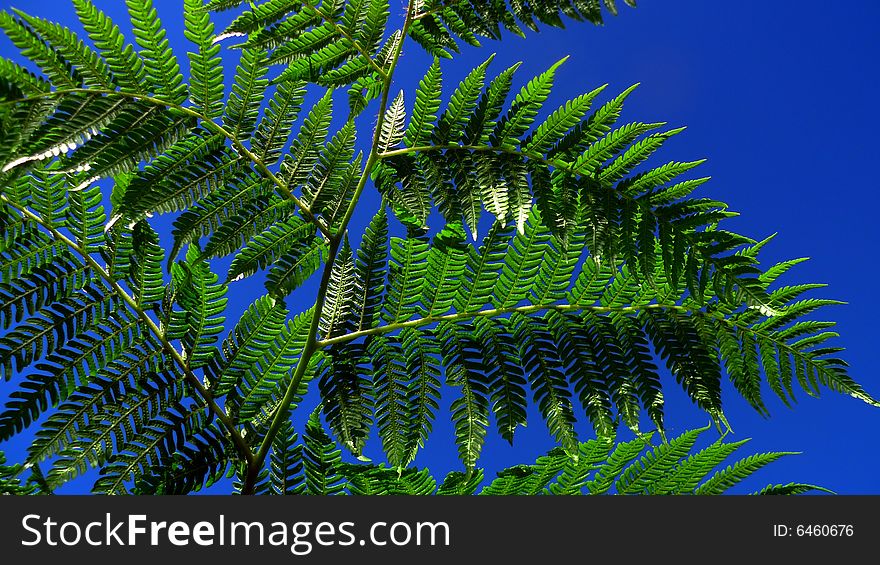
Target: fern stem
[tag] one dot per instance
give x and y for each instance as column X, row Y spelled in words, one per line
column 194, row 380
column 311, row 344
column 207, row 124
column 281, row 410
column 492, row 312
column 533, row 308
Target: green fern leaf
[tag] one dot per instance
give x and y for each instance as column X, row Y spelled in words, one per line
column 451, row 123
column 372, row 261
column 336, row 317
column 426, row 106
column 88, row 64
column 286, row 462
column 470, row 411
column 544, row 369
column 306, row 146
column 243, row 105
column 446, row 265
column 393, row 411
column 407, row 272
column 204, row 300
column 656, row 463
column 347, row 392
column 162, row 69
column 504, row 371
column 260, row 325
column 205, row 66
column 525, row 107
column 294, row 267
column 321, row 460
column 275, row 127
column 325, row 181
column 59, row 72
column 392, row 132
column 127, row 67
column 270, row 360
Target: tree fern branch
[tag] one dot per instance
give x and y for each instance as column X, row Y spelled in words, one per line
column 208, row 124
column 573, row 170
column 335, row 244
column 148, row 321
column 778, row 341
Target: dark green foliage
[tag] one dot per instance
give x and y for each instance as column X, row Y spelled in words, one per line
column 439, row 23
column 602, row 278
column 596, row 467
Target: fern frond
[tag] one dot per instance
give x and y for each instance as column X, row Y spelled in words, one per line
column 393, row 410
column 347, row 393
column 544, row 369
column 156, row 444
column 281, row 113
column 127, row 67
column 258, row 327
column 321, row 460
column 446, row 264
column 201, row 219
column 421, row 352
column 426, row 106
column 122, row 410
column 243, row 105
column 325, row 181
column 470, row 411
column 67, row 367
column 392, row 126
column 286, row 462
column 270, row 354
column 256, row 218
column 655, row 464
column 505, row 374
column 440, row 21
column 293, row 268
column 372, row 261
column 270, row 245
column 203, row 300
column 88, row 64
column 59, row 71
column 336, row 317
column 134, row 136
column 406, row 278
column 160, row 64
column 205, row 66
column 306, row 146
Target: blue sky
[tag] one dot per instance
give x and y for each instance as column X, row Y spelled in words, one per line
column 779, row 96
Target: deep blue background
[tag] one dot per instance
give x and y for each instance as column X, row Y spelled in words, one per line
column 780, row 97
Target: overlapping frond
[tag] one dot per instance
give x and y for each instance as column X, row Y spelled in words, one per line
column 526, row 310
column 329, row 43
column 79, row 340
column 636, row 467
column 596, row 269
column 313, row 465
column 440, row 24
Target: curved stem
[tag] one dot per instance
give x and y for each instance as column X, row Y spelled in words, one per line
column 311, row 344
column 178, row 359
column 207, row 124
column 492, row 312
